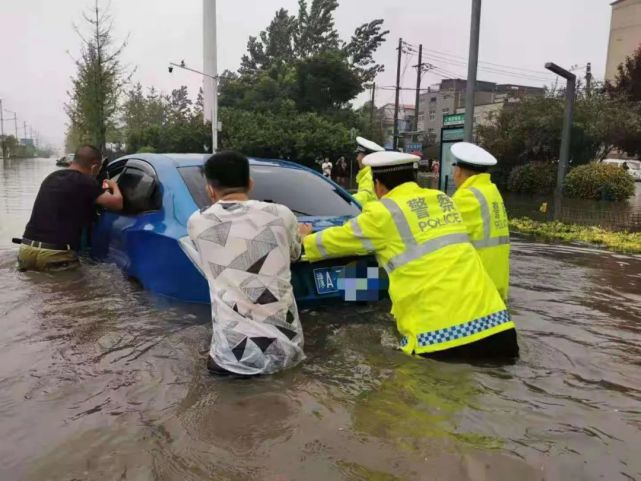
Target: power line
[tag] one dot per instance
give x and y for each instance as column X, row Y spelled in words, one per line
column 495, row 70
column 493, row 64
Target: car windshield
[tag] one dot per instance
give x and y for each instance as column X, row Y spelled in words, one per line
column 305, row 193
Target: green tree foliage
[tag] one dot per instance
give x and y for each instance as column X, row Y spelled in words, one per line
column 10, row 147
column 302, row 137
column 533, row 178
column 531, row 130
column 291, row 95
column 599, row 182
column 626, row 89
column 164, row 123
column 98, row 83
column 627, row 83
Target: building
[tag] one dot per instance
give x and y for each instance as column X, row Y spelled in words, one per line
column 625, row 34
column 406, row 115
column 448, row 97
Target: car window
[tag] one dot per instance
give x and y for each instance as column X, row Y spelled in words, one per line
column 140, row 188
column 305, row 193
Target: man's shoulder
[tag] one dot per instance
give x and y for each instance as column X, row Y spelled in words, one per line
column 72, row 179
column 279, row 210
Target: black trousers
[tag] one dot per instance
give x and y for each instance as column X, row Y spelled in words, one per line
column 217, row 370
column 502, row 347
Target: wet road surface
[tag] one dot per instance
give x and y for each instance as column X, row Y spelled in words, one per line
column 100, row 380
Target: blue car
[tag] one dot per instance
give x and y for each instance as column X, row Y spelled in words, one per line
column 149, row 241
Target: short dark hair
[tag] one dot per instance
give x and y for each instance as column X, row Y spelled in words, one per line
column 227, row 170
column 394, row 178
column 87, row 156
column 473, row 169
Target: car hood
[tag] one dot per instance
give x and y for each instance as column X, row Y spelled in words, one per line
column 320, row 223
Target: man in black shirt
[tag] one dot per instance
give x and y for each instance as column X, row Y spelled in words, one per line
column 63, row 207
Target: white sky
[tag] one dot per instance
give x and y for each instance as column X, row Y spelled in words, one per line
column 36, row 36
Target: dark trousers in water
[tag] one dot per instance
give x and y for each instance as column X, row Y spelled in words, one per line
column 216, row 370
column 501, row 347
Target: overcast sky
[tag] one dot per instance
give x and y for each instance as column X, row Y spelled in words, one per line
column 37, row 43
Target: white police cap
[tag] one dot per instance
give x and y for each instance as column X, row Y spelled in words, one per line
column 367, row 146
column 472, row 155
column 391, row 161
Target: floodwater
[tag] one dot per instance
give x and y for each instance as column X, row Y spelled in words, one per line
column 100, row 380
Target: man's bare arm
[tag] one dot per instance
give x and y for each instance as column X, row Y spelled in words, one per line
column 111, row 199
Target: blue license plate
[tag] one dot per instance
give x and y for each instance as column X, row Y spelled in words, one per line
column 326, row 279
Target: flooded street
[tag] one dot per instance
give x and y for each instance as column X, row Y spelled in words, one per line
column 100, row 380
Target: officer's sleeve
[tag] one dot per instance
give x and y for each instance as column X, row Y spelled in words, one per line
column 469, row 207
column 359, row 236
column 365, row 183
column 363, row 197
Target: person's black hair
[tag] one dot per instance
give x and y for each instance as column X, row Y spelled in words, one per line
column 394, row 178
column 473, row 168
column 87, row 156
column 227, row 170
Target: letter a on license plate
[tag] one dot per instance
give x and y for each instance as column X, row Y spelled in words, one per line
column 326, row 279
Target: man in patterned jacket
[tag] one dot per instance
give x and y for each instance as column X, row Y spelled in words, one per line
column 245, row 249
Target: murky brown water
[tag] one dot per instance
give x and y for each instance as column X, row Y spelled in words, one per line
column 99, row 380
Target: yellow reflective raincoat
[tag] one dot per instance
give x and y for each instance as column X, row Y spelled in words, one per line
column 365, row 182
column 441, row 295
column 483, row 211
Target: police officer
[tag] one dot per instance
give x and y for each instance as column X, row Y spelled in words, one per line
column 443, row 300
column 364, row 180
column 483, row 211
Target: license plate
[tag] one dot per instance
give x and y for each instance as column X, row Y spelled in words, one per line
column 326, row 279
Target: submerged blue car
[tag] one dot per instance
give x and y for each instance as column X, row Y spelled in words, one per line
column 149, row 241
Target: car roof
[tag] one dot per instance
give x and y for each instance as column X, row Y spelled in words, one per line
column 193, row 160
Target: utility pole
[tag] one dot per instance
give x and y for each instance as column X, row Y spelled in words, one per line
column 210, row 67
column 24, row 131
column 472, row 65
column 371, row 111
column 419, row 72
column 2, row 139
column 588, row 80
column 398, row 91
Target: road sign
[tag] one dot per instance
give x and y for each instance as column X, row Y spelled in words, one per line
column 414, row 147
column 449, row 136
column 453, row 119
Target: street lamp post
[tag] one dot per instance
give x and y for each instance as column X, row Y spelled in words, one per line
column 214, row 79
column 564, row 156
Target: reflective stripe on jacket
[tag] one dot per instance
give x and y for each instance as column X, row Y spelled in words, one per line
column 483, row 211
column 441, row 295
column 365, row 182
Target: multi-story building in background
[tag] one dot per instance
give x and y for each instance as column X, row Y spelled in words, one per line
column 405, row 121
column 625, row 34
column 448, row 97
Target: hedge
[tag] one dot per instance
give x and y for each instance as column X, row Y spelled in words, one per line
column 533, row 178
column 599, row 181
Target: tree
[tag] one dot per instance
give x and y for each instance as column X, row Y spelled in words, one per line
column 360, row 50
column 301, row 137
column 99, row 81
column 163, row 123
column 531, row 130
column 627, row 83
column 300, row 62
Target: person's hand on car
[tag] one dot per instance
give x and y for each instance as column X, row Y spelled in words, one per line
column 304, row 230
column 109, row 185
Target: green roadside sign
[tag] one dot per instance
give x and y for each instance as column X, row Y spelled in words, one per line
column 453, row 119
column 451, row 133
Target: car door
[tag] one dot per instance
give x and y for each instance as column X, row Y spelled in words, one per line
column 140, row 189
